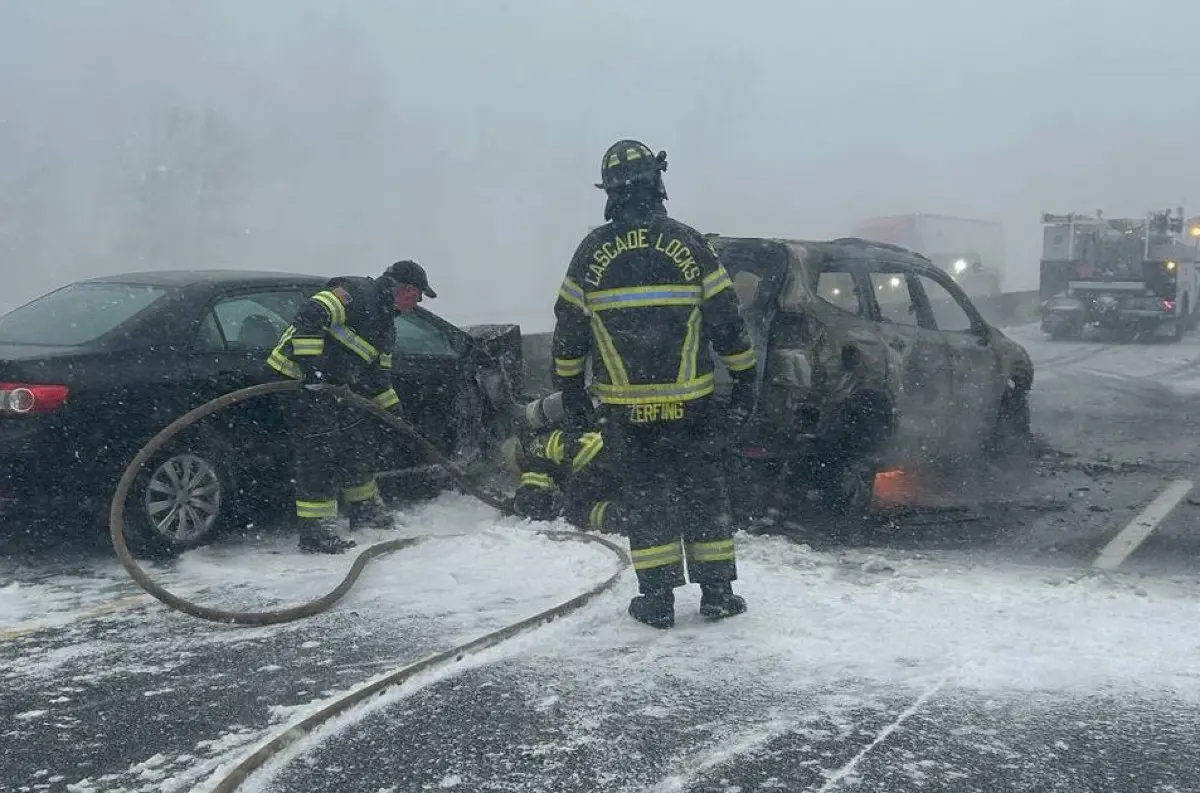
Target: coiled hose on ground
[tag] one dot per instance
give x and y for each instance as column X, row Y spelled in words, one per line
column 323, row 603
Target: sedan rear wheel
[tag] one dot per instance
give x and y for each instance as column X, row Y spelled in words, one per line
column 183, row 499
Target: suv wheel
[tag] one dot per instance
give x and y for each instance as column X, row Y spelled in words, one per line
column 849, row 490
column 1011, row 432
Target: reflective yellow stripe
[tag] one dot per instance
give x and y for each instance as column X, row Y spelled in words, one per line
column 307, row 346
column 740, row 361
column 644, row 297
column 335, row 307
column 568, row 367
column 653, row 393
column 715, row 551
column 596, row 518
column 689, row 354
column 280, row 363
column 387, row 399
column 385, row 360
column 355, row 343
column 590, row 444
column 554, row 447
column 716, row 282
column 657, row 556
column 608, row 353
column 316, row 509
column 360, row 493
column 539, row 481
column 570, row 292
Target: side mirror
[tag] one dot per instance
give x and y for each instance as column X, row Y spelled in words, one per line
column 984, row 332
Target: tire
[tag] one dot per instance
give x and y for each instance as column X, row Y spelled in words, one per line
column 182, row 499
column 847, row 490
column 1011, row 431
column 1068, row 333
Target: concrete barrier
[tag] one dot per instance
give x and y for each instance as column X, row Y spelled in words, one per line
column 1011, row 308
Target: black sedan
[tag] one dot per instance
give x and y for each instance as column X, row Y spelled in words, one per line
column 91, row 371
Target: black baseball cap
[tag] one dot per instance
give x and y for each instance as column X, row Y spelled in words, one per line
column 409, row 272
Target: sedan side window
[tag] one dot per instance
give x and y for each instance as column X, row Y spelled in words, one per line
column 896, row 304
column 947, row 312
column 416, row 335
column 250, row 322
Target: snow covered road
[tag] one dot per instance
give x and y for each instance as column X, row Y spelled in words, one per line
column 932, row 675
column 972, row 647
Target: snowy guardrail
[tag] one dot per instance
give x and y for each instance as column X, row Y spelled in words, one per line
column 1011, row 308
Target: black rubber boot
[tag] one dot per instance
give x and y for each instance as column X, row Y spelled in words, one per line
column 717, row 601
column 370, row 515
column 320, row 536
column 656, row 609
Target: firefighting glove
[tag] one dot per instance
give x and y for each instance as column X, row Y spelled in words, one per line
column 742, row 403
column 577, row 405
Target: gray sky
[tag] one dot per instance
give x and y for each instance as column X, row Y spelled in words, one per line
column 467, row 135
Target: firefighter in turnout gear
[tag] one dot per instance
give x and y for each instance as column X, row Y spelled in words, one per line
column 343, row 335
column 570, row 474
column 644, row 297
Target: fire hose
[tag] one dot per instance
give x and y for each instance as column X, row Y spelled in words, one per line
column 323, row 603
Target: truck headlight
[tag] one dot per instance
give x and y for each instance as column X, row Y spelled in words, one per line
column 960, row 266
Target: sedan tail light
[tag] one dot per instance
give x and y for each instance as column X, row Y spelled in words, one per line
column 21, row 398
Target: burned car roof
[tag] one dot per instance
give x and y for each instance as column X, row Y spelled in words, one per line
column 742, row 249
column 762, row 267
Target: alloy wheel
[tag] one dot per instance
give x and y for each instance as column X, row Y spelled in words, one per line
column 183, row 498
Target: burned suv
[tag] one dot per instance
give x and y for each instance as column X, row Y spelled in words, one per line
column 871, row 358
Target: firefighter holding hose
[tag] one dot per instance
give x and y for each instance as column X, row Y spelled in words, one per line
column 644, row 297
column 343, row 335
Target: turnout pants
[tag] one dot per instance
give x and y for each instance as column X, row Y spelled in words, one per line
column 334, row 454
column 673, row 504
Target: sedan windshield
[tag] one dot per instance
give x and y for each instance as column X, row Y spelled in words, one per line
column 76, row 314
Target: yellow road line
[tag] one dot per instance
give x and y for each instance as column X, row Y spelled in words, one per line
column 104, row 609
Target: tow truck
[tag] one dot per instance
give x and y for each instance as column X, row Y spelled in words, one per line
column 1136, row 277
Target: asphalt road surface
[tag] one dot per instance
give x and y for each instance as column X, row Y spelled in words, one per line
column 1026, row 626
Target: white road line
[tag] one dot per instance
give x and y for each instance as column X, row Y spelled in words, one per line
column 844, row 773
column 1133, row 535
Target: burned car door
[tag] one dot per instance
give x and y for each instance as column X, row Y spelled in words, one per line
column 918, row 362
column 758, row 270
column 978, row 382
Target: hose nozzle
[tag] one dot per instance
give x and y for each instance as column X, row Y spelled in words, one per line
column 544, row 412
